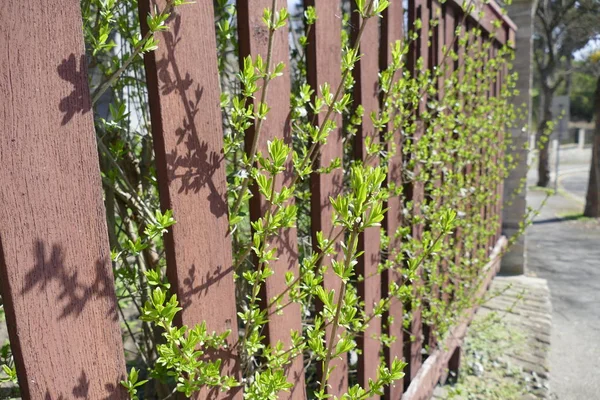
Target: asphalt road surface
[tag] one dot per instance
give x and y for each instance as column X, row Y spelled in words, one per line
column 575, row 183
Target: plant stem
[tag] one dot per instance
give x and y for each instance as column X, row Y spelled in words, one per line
column 263, row 98
column 332, row 242
column 338, row 92
column 350, row 251
column 137, row 50
column 113, row 78
column 133, row 193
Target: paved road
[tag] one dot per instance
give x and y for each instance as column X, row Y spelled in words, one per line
column 566, row 252
column 575, row 183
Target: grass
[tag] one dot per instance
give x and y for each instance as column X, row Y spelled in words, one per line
column 487, row 373
column 574, row 216
column 535, row 188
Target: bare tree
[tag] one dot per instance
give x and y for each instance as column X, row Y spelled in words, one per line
column 562, row 27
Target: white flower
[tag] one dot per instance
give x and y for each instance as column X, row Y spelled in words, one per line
column 301, row 111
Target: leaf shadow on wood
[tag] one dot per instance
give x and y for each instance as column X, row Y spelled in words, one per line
column 74, row 292
column 78, row 101
column 81, row 390
column 193, row 163
column 208, row 280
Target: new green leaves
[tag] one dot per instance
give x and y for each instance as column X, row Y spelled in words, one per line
column 362, row 207
column 132, row 384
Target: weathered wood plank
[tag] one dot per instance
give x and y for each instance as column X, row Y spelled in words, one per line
column 323, row 58
column 254, row 37
column 365, row 92
column 183, row 88
column 391, row 31
column 55, row 268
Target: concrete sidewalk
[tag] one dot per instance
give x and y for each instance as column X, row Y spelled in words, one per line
column 505, row 352
column 564, row 249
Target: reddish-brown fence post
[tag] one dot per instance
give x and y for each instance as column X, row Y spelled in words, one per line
column 323, row 58
column 183, row 88
column 369, row 289
column 254, row 39
column 461, row 25
column 55, row 268
column 434, row 59
column 392, row 31
column 500, row 188
column 481, row 170
column 418, row 9
column 450, row 39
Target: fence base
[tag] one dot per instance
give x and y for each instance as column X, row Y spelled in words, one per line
column 434, row 368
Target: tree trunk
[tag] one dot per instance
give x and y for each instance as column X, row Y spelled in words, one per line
column 542, row 138
column 592, row 200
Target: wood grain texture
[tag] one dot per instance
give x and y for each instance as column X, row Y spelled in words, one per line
column 55, row 269
column 183, row 88
column 366, row 93
column 323, row 58
column 253, row 40
column 391, row 31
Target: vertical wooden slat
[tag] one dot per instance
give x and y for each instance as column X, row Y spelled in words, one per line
column 500, row 192
column 366, row 93
column 253, row 35
column 391, row 31
column 183, row 88
column 457, row 67
column 470, row 170
column 491, row 206
column 460, row 67
column 435, row 55
column 437, row 42
column 323, row 57
column 55, row 268
column 418, row 9
column 482, row 91
column 449, row 30
column 460, row 49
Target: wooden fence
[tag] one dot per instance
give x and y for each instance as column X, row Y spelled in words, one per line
column 55, row 268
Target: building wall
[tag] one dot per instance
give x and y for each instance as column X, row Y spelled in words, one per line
column 515, row 204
